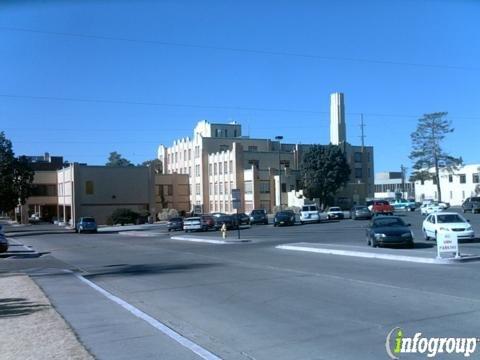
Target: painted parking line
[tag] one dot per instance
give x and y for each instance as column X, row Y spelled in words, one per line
column 210, row 241
column 197, row 349
column 369, row 255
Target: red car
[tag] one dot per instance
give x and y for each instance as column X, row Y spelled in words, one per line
column 380, row 207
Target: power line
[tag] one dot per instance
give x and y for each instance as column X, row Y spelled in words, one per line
column 243, row 50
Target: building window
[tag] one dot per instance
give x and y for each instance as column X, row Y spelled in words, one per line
column 215, row 169
column 255, row 163
column 197, row 151
column 175, row 158
column 231, row 166
column 209, row 169
column 248, row 187
column 169, row 189
column 265, row 187
column 450, row 178
column 44, row 190
column 189, row 154
column 357, row 157
column 197, row 189
column 220, row 189
column 211, row 188
column 89, row 187
column 253, row 148
column 475, row 178
column 197, row 170
column 358, row 173
column 216, row 189
column 220, row 168
column 284, row 187
column 225, row 168
column 463, row 178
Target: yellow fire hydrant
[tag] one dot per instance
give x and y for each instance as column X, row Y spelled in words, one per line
column 223, row 229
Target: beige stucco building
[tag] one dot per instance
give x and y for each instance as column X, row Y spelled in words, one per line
column 218, row 158
column 82, row 190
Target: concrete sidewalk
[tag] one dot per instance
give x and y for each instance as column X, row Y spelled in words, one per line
column 31, row 328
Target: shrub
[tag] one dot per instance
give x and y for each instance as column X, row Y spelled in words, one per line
column 124, row 216
column 167, row 214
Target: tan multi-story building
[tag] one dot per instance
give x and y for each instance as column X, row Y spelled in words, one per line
column 218, row 158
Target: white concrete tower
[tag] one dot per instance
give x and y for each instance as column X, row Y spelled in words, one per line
column 338, row 132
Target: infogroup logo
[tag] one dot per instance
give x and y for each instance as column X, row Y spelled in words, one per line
column 397, row 343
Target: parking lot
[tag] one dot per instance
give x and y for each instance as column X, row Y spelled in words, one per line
column 250, row 300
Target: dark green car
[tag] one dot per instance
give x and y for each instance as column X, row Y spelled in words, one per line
column 389, row 230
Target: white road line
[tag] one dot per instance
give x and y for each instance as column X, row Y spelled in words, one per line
column 209, row 241
column 361, row 254
column 197, row 349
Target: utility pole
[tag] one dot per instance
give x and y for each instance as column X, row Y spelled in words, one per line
column 280, row 138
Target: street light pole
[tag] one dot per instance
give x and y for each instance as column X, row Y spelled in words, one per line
column 279, row 138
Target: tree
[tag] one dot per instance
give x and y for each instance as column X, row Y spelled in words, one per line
column 155, row 163
column 427, row 152
column 116, row 160
column 16, row 176
column 325, row 171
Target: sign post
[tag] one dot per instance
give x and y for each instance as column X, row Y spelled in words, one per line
column 447, row 244
column 237, row 204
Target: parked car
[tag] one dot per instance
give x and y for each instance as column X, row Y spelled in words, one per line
column 86, row 224
column 285, row 217
column 194, row 224
column 258, row 216
column 447, row 221
column 175, row 224
column 389, row 230
column 228, row 220
column 241, row 219
column 471, row 204
column 3, row 243
column 427, row 209
column 334, row 212
column 311, row 213
column 360, row 212
column 378, row 207
column 208, row 222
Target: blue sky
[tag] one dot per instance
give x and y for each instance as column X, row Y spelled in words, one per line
column 184, row 61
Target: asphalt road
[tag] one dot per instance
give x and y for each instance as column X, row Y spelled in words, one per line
column 251, row 300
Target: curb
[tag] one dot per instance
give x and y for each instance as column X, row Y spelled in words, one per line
column 209, row 241
column 369, row 255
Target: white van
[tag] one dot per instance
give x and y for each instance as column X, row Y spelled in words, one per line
column 311, row 213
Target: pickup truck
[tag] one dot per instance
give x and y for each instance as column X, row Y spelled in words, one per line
column 377, row 207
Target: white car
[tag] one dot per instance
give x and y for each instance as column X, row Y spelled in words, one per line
column 192, row 224
column 335, row 212
column 310, row 213
column 447, row 221
column 428, row 209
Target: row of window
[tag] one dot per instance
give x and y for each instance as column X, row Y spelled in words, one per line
column 462, row 179
column 220, row 188
column 394, row 187
column 220, row 168
column 187, row 155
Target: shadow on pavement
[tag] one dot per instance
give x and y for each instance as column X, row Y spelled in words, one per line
column 146, row 269
column 11, row 307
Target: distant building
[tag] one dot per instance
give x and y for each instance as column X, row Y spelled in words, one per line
column 389, row 184
column 218, row 158
column 80, row 190
column 455, row 186
column 45, row 162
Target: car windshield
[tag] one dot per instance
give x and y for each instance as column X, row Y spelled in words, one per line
column 361, row 208
column 475, row 199
column 175, row 219
column 285, row 213
column 388, row 222
column 335, row 209
column 88, row 220
column 258, row 212
column 193, row 219
column 450, row 218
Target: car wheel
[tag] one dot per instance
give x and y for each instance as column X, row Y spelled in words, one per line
column 425, row 236
column 302, row 223
column 369, row 242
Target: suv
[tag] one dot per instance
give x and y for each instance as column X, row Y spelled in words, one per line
column 86, row 224
column 309, row 213
column 471, row 204
column 258, row 217
column 380, row 207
